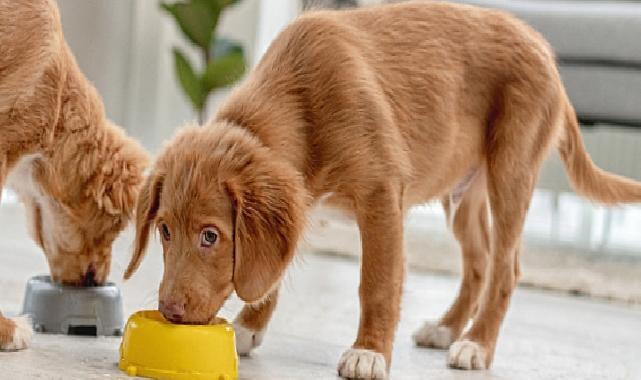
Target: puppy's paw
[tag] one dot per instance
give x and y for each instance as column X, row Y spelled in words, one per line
column 433, row 335
column 22, row 334
column 466, row 354
column 247, row 339
column 357, row 363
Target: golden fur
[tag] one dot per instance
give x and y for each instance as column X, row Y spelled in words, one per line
column 7, row 329
column 376, row 110
column 77, row 174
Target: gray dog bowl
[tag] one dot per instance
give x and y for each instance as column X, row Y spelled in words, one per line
column 59, row 309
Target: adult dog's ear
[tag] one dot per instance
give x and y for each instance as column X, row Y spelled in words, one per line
column 269, row 200
column 148, row 202
column 116, row 177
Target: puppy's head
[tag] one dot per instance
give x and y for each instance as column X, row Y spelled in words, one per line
column 89, row 193
column 228, row 213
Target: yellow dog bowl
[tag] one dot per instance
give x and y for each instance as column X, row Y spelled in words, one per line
column 153, row 347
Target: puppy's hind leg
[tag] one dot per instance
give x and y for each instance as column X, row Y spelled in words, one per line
column 470, row 226
column 521, row 136
column 509, row 204
column 251, row 324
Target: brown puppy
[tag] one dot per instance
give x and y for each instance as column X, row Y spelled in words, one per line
column 376, row 109
column 77, row 174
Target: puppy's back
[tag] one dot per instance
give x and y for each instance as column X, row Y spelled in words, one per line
column 433, row 33
column 393, row 75
column 420, row 56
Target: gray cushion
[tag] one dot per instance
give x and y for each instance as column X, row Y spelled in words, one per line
column 604, row 94
column 594, row 29
column 612, row 148
column 598, row 44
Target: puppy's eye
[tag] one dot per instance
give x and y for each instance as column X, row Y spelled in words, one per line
column 208, row 237
column 165, row 232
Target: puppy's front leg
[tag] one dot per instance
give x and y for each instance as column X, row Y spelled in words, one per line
column 382, row 271
column 251, row 323
column 15, row 333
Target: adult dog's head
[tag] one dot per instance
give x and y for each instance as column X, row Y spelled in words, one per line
column 79, row 197
column 76, row 172
column 229, row 214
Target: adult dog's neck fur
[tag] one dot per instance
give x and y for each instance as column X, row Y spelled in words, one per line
column 83, row 139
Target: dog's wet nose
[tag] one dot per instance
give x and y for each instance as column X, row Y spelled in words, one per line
column 89, row 279
column 172, row 311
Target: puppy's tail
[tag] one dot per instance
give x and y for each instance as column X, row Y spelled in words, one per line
column 587, row 179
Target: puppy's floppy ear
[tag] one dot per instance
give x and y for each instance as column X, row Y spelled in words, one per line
column 119, row 176
column 269, row 202
column 148, row 202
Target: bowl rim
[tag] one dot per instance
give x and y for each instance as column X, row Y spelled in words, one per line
column 45, row 279
column 154, row 317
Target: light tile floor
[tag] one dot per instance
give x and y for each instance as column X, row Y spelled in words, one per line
column 545, row 336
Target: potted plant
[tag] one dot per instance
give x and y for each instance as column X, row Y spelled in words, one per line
column 222, row 60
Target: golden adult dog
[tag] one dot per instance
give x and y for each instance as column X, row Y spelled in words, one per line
column 376, row 109
column 77, row 174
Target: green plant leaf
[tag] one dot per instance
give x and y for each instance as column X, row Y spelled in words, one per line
column 189, row 80
column 216, row 6
column 220, row 4
column 224, row 70
column 196, row 19
column 227, row 3
column 222, row 46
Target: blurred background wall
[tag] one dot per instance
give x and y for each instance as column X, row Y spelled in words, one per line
column 124, row 47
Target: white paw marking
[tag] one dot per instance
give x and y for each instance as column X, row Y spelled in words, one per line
column 466, row 354
column 22, row 334
column 433, row 335
column 357, row 363
column 247, row 339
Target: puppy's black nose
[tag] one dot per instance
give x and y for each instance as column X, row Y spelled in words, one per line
column 172, row 311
